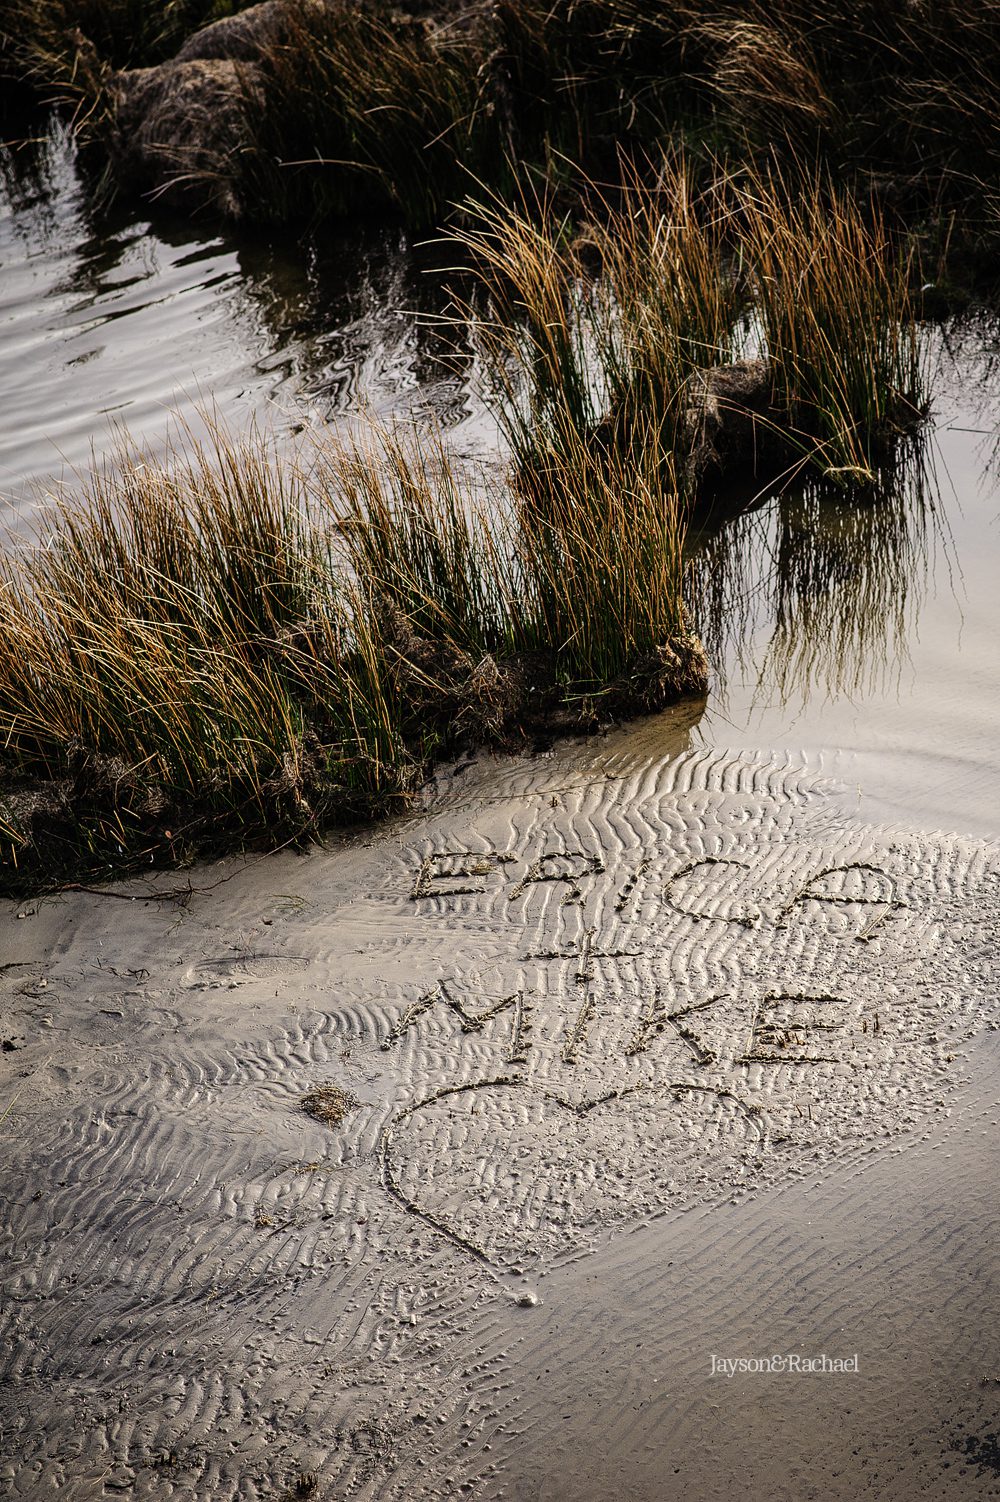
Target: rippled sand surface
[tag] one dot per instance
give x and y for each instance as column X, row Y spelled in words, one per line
column 638, row 1060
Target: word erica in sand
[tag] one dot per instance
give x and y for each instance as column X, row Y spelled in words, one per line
column 700, row 889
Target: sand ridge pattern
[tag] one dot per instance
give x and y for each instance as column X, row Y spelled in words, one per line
column 565, row 1004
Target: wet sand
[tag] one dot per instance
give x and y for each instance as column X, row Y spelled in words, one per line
column 639, row 1056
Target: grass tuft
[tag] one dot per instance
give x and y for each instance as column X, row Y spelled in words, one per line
column 595, row 338
column 232, row 649
column 834, row 303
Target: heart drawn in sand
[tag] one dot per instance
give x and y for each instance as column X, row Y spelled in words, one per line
column 512, row 1172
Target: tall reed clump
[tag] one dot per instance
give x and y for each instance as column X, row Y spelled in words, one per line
column 601, row 551
column 178, row 666
column 832, row 295
column 548, row 609
column 597, row 337
column 589, row 333
column 232, row 650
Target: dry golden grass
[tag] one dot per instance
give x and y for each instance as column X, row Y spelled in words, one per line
column 593, row 328
column 590, row 334
column 232, row 648
column 833, row 299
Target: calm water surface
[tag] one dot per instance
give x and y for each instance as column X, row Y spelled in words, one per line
column 862, row 639
column 108, row 318
column 867, row 638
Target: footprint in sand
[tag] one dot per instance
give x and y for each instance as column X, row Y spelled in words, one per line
column 229, row 971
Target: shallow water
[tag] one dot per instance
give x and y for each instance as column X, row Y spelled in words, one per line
column 107, row 318
column 866, row 637
column 861, row 639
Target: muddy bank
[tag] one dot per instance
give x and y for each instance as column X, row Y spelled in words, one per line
column 636, row 1058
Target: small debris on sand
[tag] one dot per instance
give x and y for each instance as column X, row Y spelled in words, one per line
column 328, row 1103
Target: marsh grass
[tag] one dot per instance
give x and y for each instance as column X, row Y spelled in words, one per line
column 232, row 649
column 591, row 333
column 392, row 106
column 610, row 536
column 357, row 108
column 588, row 330
column 833, row 300
column 170, row 651
column 570, row 601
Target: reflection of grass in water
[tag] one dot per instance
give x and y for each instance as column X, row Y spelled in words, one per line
column 837, row 577
column 347, row 315
column 357, row 319
column 964, row 360
column 834, row 302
